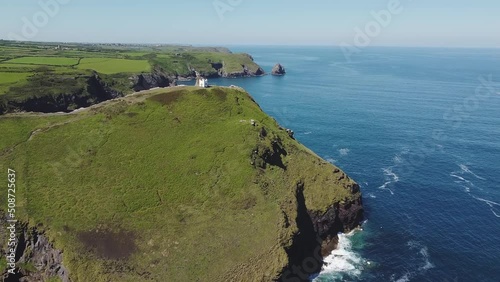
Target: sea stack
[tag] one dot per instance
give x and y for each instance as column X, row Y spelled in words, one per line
column 278, row 70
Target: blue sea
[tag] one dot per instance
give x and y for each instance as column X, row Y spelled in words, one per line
column 419, row 130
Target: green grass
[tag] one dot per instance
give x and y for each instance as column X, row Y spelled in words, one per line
column 181, row 63
column 7, row 79
column 16, row 67
column 112, row 66
column 51, row 61
column 171, row 168
column 10, row 77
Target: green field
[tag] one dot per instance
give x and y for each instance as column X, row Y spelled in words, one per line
column 11, row 77
column 112, row 66
column 169, row 176
column 7, row 79
column 50, row 61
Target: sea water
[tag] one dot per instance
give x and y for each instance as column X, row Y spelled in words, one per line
column 419, row 130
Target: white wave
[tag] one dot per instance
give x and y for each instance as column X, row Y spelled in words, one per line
column 371, row 195
column 462, row 179
column 496, row 214
column 330, row 160
column 424, row 266
column 466, row 189
column 404, row 278
column 397, row 159
column 307, row 133
column 384, row 187
column 344, row 151
column 390, row 173
column 491, row 204
column 342, row 261
column 390, row 178
column 424, row 253
column 466, row 169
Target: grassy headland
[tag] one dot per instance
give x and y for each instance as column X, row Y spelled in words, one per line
column 171, row 185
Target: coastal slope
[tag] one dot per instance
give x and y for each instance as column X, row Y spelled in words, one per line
column 176, row 184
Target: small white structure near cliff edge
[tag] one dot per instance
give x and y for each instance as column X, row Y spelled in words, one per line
column 201, row 81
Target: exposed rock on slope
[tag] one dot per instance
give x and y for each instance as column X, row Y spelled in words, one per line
column 147, row 81
column 35, row 249
column 86, row 91
column 244, row 72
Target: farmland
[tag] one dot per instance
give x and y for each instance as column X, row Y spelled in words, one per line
column 50, row 61
column 9, row 78
column 112, row 66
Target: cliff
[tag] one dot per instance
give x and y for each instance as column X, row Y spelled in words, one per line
column 61, row 94
column 173, row 184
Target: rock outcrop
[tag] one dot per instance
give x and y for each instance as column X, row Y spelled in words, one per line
column 92, row 90
column 317, row 234
column 143, row 81
column 35, row 249
column 244, row 72
column 278, row 69
column 340, row 217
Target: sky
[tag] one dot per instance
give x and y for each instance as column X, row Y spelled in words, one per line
column 437, row 23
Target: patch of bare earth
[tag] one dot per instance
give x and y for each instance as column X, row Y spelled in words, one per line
column 109, row 244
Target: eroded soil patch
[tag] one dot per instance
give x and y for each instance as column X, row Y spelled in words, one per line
column 109, row 244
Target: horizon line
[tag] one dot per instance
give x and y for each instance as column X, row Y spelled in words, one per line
column 248, row 44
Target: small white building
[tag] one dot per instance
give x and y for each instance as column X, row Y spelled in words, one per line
column 201, row 81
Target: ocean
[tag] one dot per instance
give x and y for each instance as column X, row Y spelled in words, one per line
column 419, row 130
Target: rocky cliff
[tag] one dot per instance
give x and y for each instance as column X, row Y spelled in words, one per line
column 87, row 91
column 147, row 81
column 36, row 258
column 220, row 70
column 244, row 72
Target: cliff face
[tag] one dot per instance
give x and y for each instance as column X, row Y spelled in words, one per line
column 92, row 90
column 316, row 235
column 34, row 249
column 219, row 70
column 147, row 81
column 137, row 183
column 244, row 72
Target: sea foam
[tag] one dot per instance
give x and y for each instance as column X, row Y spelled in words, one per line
column 422, row 267
column 390, row 178
column 343, row 262
column 344, row 151
column 466, row 169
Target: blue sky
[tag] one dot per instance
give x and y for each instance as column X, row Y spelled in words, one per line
column 450, row 23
